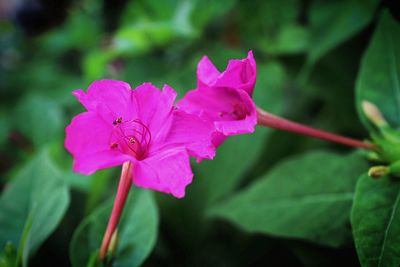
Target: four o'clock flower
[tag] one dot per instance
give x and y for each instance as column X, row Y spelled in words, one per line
column 143, row 131
column 224, row 98
column 140, row 126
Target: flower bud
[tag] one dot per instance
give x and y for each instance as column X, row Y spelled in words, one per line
column 374, row 114
column 378, row 171
column 113, row 244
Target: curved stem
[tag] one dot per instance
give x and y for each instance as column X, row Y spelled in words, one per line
column 124, row 186
column 269, row 120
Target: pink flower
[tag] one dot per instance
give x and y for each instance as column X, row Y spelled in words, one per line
column 224, row 98
column 141, row 126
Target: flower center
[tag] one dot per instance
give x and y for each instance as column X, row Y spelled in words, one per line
column 130, row 137
column 239, row 112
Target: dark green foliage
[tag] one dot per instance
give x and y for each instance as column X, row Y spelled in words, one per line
column 299, row 199
column 268, row 198
column 136, row 235
column 376, row 221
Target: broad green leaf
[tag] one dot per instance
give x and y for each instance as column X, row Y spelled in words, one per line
column 137, row 232
column 334, row 22
column 37, row 194
column 39, row 118
column 236, row 156
column 221, row 175
column 375, row 219
column 379, row 77
column 307, row 197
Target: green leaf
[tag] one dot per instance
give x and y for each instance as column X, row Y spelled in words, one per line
column 204, row 11
column 137, row 231
column 39, row 118
column 4, row 128
column 80, row 31
column 273, row 26
column 307, row 197
column 375, row 219
column 379, row 77
column 291, row 39
column 334, row 22
column 225, row 172
column 37, row 194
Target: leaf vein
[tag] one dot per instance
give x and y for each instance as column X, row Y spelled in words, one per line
column 394, row 209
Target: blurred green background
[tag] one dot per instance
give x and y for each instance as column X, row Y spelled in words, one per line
column 308, row 55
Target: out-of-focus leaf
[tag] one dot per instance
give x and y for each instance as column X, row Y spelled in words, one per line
column 273, row 26
column 187, row 16
column 147, row 25
column 137, row 232
column 334, row 22
column 204, row 11
column 379, row 77
column 147, row 10
column 39, row 194
column 39, row 118
column 307, row 197
column 224, row 173
column 375, row 219
column 9, row 256
column 128, row 41
column 291, row 39
column 81, row 32
column 4, row 128
column 236, row 156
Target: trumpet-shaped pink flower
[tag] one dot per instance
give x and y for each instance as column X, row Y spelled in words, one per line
column 224, row 98
column 141, row 126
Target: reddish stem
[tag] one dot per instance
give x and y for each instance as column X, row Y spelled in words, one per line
column 124, row 186
column 266, row 119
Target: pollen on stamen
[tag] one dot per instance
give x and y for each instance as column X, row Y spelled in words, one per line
column 117, row 121
column 132, row 137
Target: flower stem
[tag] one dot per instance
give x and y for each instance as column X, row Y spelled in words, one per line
column 124, row 186
column 269, row 120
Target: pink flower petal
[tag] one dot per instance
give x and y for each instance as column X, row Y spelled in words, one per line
column 207, row 73
column 209, row 102
column 154, row 106
column 187, row 131
column 88, row 140
column 239, row 74
column 110, row 98
column 219, row 105
column 90, row 163
column 142, row 126
column 218, row 138
column 242, row 126
column 167, row 171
